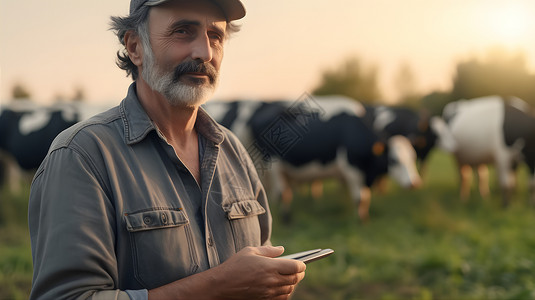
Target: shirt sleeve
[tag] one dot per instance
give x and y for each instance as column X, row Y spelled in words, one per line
column 72, row 231
column 138, row 294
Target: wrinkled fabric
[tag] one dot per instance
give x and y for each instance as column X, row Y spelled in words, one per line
column 112, row 208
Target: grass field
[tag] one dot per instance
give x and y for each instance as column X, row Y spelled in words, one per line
column 423, row 244
column 15, row 252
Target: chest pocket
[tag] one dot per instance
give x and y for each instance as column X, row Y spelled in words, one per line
column 161, row 245
column 243, row 218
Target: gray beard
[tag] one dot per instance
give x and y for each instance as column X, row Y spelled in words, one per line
column 176, row 93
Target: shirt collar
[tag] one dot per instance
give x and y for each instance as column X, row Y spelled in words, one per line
column 137, row 123
column 208, row 127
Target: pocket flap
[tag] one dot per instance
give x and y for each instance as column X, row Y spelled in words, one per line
column 244, row 209
column 154, row 219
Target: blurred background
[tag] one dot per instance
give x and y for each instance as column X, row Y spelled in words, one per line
column 58, row 48
column 418, row 244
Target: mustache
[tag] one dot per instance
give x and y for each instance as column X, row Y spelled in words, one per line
column 193, row 66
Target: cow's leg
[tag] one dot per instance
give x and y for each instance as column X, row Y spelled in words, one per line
column 382, row 185
column 280, row 190
column 364, row 204
column 465, row 177
column 354, row 181
column 286, row 198
column 507, row 180
column 316, row 189
column 13, row 174
column 286, row 205
column 507, row 191
column 483, row 181
column 360, row 194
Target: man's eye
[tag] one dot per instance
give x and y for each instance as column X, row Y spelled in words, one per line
column 183, row 30
column 216, row 37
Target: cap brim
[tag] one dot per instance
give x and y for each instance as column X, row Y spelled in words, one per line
column 233, row 9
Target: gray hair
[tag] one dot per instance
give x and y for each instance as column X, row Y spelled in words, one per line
column 137, row 22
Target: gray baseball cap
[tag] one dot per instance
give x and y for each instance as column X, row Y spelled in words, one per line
column 233, row 9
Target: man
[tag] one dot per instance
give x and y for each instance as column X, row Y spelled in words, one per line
column 153, row 199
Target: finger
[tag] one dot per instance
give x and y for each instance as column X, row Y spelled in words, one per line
column 287, row 280
column 281, row 292
column 290, row 266
column 287, row 289
column 270, row 251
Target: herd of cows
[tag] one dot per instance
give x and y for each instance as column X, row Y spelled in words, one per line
column 315, row 137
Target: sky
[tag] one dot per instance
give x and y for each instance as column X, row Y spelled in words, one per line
column 54, row 47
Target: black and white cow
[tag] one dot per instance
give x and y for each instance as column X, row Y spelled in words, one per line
column 237, row 115
column 492, row 130
column 420, row 128
column 318, row 138
column 26, row 131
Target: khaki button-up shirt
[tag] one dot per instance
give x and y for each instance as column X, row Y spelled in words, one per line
column 113, row 211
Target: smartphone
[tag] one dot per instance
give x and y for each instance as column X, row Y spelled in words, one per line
column 310, row 255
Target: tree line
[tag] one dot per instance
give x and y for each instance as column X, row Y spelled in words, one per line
column 20, row 92
column 498, row 73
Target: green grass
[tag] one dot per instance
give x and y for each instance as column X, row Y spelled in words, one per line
column 421, row 244
column 15, row 252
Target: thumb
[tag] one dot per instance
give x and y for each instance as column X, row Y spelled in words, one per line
column 270, row 251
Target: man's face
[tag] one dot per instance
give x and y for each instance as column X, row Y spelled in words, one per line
column 187, row 48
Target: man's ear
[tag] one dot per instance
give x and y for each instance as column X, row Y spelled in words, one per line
column 134, row 48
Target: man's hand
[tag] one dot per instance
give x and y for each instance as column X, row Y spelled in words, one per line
column 252, row 273
column 255, row 273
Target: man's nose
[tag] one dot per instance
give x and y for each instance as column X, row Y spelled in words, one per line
column 202, row 49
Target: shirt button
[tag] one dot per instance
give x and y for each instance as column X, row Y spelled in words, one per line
column 147, row 220
column 210, row 242
column 164, row 218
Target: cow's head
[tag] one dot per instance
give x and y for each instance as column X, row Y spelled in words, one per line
column 423, row 137
column 445, row 141
column 402, row 162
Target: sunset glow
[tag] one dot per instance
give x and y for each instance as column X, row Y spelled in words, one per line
column 510, row 23
column 281, row 50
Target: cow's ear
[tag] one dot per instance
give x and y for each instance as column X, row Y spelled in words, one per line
column 378, row 148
